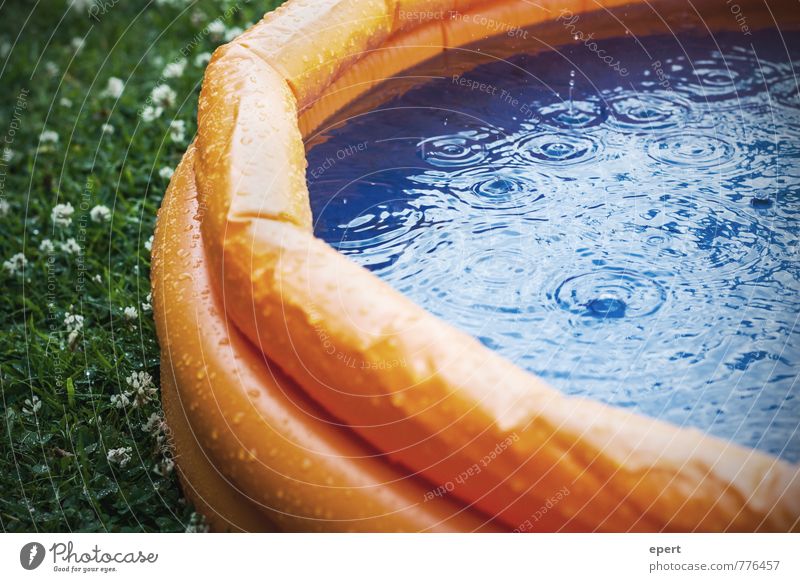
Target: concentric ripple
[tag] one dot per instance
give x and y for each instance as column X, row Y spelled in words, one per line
column 470, row 272
column 692, row 150
column 648, row 111
column 492, row 188
column 558, row 148
column 722, row 77
column 452, row 151
column 637, row 245
column 573, row 114
column 713, row 79
column 610, row 293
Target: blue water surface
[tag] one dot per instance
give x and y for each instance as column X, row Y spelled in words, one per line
column 632, row 239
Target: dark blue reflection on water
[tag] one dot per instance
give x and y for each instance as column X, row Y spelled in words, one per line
column 637, row 245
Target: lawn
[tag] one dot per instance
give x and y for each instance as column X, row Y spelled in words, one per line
column 99, row 104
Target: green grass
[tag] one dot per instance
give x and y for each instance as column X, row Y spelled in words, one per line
column 60, row 417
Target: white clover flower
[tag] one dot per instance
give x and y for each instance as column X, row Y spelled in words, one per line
column 48, row 136
column 5, row 207
column 149, row 243
column 31, row 405
column 166, row 172
column 157, row 427
column 177, row 130
column 174, row 69
column 148, row 304
column 71, row 246
column 140, row 379
column 216, row 28
column 114, row 88
column 100, row 213
column 77, row 43
column 73, row 322
column 107, row 128
column 143, row 389
column 81, row 5
column 151, row 113
column 120, row 400
column 197, row 524
column 51, row 68
column 47, row 246
column 97, row 279
column 61, row 214
column 74, row 325
column 202, row 59
column 165, row 467
column 163, row 95
column 15, row 264
column 130, row 313
column 65, row 102
column 155, row 424
column 120, row 456
column 197, row 17
column 232, row 33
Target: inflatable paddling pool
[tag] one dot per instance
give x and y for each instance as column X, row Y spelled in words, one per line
column 306, row 394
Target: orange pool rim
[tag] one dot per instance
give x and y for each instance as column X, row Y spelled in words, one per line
column 304, row 394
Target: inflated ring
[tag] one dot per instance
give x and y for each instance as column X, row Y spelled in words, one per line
column 283, row 465
column 258, row 342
